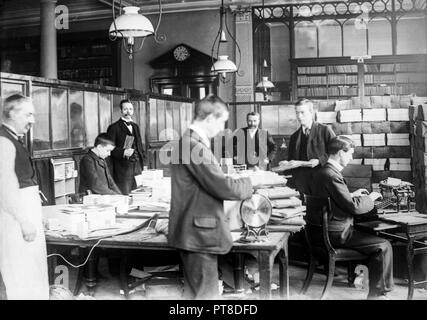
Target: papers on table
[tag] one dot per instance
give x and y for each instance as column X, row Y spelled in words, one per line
column 280, row 193
column 289, row 212
column 293, row 164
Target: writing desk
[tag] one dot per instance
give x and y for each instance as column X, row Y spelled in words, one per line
column 264, row 252
column 404, row 227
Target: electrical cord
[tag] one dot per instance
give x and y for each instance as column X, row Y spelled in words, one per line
column 145, row 224
column 80, row 265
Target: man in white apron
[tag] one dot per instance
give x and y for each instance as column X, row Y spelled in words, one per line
column 23, row 259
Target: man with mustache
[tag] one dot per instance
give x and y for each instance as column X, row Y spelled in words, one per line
column 252, row 145
column 128, row 155
column 23, row 259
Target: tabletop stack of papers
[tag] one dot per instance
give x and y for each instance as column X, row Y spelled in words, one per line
column 154, row 194
column 287, row 207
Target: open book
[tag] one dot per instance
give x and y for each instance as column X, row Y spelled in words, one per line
column 288, row 165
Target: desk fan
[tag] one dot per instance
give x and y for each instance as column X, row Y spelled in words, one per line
column 255, row 213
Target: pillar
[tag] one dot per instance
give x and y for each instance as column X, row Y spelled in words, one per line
column 245, row 78
column 48, row 55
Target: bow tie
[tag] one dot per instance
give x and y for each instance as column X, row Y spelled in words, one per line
column 128, row 123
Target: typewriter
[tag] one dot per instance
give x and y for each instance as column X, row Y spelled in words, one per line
column 397, row 195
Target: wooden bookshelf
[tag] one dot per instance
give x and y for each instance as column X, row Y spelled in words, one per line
column 326, row 78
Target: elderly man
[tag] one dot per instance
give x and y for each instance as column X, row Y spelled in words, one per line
column 308, row 143
column 252, row 145
column 23, row 262
column 197, row 225
column 128, row 155
column 345, row 206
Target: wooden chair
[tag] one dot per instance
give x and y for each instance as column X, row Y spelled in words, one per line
column 319, row 246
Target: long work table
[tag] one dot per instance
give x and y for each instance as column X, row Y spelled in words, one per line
column 264, row 252
column 409, row 228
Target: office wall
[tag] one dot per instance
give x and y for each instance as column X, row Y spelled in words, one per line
column 196, row 29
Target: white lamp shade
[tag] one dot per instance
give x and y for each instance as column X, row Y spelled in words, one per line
column 223, row 65
column 265, row 83
column 131, row 24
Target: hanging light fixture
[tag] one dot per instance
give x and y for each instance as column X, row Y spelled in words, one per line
column 223, row 65
column 131, row 25
column 265, row 85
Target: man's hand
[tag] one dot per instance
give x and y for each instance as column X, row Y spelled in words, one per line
column 314, row 162
column 29, row 232
column 128, row 152
column 360, row 192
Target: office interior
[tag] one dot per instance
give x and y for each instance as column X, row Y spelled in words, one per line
column 363, row 64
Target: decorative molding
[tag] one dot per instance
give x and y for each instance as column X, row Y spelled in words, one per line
column 243, row 16
column 244, row 89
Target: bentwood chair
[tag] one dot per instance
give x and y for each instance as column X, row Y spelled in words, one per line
column 319, row 245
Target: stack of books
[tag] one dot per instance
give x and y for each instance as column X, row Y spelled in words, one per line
column 287, row 207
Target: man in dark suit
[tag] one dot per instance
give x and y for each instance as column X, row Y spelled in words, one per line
column 197, row 225
column 94, row 173
column 308, row 143
column 128, row 155
column 253, row 146
column 345, row 206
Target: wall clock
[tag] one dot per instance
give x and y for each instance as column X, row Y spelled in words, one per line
column 181, row 53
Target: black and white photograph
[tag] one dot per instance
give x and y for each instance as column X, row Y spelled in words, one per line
column 224, row 152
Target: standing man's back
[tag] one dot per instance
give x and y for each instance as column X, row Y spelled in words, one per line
column 197, row 225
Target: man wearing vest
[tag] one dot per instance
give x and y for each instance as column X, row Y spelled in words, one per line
column 23, row 260
column 253, row 146
column 128, row 155
column 308, row 143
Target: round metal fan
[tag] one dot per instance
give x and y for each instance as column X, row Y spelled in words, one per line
column 255, row 213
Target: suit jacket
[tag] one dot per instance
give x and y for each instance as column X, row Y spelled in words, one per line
column 262, row 144
column 95, row 176
column 331, row 183
column 122, row 167
column 196, row 220
column 318, row 139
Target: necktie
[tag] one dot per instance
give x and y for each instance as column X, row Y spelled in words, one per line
column 128, row 123
column 21, row 139
column 306, row 132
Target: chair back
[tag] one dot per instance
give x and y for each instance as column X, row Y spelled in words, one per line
column 317, row 216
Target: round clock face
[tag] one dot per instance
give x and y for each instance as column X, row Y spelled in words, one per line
column 181, row 53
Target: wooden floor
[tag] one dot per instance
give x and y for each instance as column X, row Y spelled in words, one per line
column 108, row 287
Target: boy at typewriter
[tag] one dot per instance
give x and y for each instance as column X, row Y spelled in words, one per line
column 345, row 207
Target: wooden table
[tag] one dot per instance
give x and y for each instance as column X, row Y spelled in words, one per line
column 264, row 252
column 408, row 228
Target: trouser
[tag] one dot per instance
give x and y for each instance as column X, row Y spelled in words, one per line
column 200, row 275
column 125, row 178
column 380, row 257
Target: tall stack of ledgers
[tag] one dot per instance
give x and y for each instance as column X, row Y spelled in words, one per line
column 418, row 129
column 379, row 127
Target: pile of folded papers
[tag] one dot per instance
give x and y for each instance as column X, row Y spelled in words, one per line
column 287, row 207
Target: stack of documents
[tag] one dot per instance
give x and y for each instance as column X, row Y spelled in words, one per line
column 350, row 115
column 374, row 114
column 261, row 178
column 357, row 139
column 377, row 164
column 400, row 114
column 400, row 164
column 374, row 139
column 326, row 117
column 398, row 139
